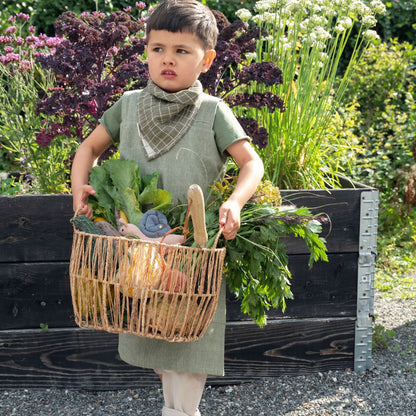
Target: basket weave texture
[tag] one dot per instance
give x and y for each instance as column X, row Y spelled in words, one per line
column 149, row 289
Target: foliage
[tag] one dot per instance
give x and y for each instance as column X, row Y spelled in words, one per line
column 229, row 8
column 118, row 184
column 307, row 41
column 383, row 87
column 99, row 58
column 232, row 74
column 256, row 263
column 21, row 82
column 399, row 22
column 9, row 186
column 381, row 337
column 396, row 261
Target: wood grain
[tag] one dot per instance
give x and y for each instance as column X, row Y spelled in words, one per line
column 88, row 359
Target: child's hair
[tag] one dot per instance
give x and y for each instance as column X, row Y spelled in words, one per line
column 185, row 16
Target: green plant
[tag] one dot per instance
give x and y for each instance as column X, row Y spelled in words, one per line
column 383, row 87
column 21, row 82
column 307, row 41
column 8, row 186
column 399, row 21
column 229, row 8
column 381, row 336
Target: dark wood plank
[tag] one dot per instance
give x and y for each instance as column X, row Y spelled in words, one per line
column 341, row 207
column 35, row 228
column 326, row 290
column 34, row 293
column 87, row 359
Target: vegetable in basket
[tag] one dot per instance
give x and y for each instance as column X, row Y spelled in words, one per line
column 256, row 263
column 118, row 184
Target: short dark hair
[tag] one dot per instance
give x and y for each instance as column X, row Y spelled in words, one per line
column 185, row 16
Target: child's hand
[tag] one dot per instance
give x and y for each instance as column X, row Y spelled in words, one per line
column 229, row 218
column 81, row 201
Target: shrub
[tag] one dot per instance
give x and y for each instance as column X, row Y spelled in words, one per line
column 384, row 88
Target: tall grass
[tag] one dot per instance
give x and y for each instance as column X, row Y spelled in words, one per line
column 307, row 40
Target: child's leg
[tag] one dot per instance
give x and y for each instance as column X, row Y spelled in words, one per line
column 182, row 392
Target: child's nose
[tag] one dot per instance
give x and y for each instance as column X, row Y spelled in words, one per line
column 168, row 59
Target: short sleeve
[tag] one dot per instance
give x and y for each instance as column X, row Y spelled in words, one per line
column 227, row 128
column 111, row 120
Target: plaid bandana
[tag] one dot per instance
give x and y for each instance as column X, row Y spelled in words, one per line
column 165, row 117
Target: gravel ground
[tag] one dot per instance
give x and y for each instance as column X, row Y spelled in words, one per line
column 388, row 389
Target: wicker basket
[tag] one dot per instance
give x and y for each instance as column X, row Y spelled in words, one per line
column 144, row 288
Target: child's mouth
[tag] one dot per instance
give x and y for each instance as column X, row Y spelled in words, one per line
column 168, row 74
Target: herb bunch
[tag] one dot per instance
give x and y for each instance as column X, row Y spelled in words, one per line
column 256, row 262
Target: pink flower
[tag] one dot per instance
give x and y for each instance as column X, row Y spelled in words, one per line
column 23, row 16
column 8, row 49
column 140, row 5
column 31, row 39
column 20, row 41
column 6, row 39
column 127, row 9
column 25, row 65
column 55, row 41
column 11, row 29
column 32, row 29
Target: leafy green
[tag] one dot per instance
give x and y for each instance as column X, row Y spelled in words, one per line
column 118, row 184
column 256, row 262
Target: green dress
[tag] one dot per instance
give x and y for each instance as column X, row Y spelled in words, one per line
column 199, row 157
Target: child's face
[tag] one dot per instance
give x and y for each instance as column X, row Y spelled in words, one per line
column 176, row 59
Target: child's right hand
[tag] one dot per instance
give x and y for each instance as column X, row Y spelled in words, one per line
column 80, row 198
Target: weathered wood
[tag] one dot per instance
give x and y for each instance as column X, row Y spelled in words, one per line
column 87, row 359
column 35, row 293
column 326, row 290
column 341, row 207
column 35, row 228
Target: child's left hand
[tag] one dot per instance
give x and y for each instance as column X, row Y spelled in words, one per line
column 229, row 218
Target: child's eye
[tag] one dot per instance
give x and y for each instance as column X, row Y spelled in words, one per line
column 182, row 51
column 157, row 49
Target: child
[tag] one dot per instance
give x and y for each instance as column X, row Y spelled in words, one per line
column 173, row 128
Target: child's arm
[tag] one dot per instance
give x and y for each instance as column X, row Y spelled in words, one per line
column 88, row 152
column 251, row 172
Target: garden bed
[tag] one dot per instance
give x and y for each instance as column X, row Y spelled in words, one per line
column 326, row 326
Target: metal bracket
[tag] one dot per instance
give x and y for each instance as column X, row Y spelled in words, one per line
column 365, row 284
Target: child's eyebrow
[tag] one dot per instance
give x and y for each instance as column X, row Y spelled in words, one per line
column 179, row 46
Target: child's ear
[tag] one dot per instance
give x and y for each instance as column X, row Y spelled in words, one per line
column 210, row 55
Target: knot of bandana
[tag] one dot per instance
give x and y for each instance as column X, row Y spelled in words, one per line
column 165, row 117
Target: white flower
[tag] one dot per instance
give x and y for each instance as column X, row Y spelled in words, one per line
column 243, row 14
column 369, row 20
column 378, row 7
column 321, row 34
column 371, row 35
column 263, row 6
column 345, row 21
column 270, row 17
